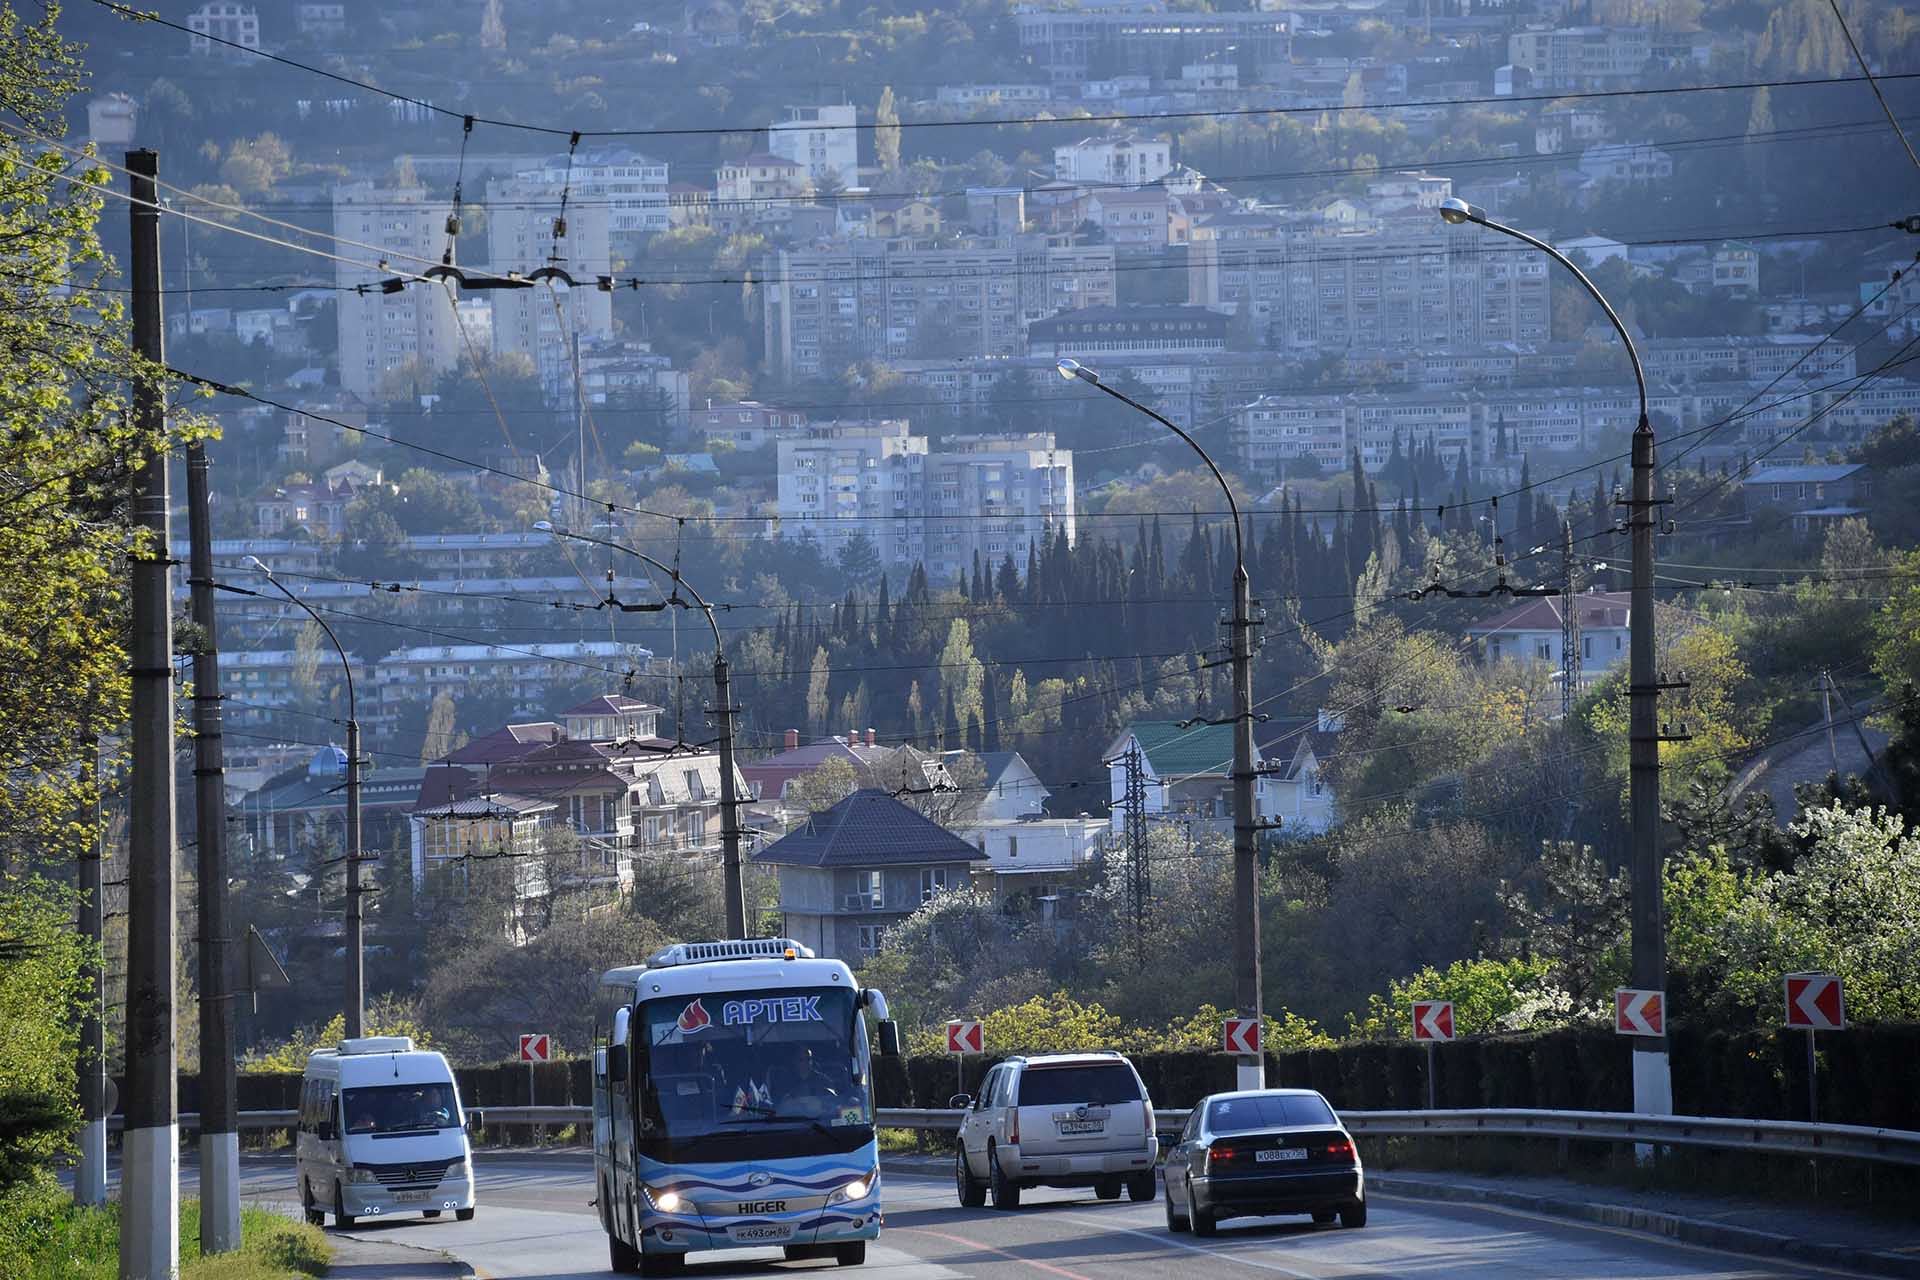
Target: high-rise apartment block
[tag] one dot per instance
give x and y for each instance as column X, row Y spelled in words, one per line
column 417, row 323
column 897, row 299
column 549, row 322
column 631, row 187
column 820, row 139
column 1582, row 57
column 991, row 496
column 1410, row 281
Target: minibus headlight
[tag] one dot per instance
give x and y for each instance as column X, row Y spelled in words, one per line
column 361, row 1174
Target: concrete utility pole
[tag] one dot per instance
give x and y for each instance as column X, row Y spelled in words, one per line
column 735, row 888
column 219, row 1105
column 355, row 997
column 90, row 1173
column 1652, row 1078
column 150, row 1161
column 1248, row 996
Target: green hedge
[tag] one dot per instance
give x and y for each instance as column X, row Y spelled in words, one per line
column 1869, row 1075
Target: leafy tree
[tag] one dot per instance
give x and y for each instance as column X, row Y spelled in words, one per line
column 69, row 449
column 1487, row 995
column 41, row 988
column 823, row 787
column 1571, row 913
column 385, row 1017
column 886, row 133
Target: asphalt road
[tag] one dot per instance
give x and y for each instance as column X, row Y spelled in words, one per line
column 534, row 1222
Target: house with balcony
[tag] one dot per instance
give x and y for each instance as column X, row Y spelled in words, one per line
column 1530, row 632
column 851, row 873
column 1043, row 865
column 1186, row 773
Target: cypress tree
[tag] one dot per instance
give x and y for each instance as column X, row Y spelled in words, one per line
column 990, row 710
column 1008, row 587
column 950, row 727
column 980, row 589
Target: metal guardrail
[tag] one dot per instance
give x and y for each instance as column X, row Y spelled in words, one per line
column 1768, row 1137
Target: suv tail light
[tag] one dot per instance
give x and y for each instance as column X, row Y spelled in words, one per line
column 1013, row 1127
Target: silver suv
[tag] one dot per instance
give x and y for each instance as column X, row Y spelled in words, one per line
column 1061, row 1120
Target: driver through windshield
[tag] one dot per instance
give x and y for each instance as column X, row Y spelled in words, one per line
column 399, row 1108
column 732, row 1063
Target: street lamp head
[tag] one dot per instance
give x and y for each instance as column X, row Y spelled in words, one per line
column 1071, row 369
column 543, row 526
column 1457, row 211
column 257, row 563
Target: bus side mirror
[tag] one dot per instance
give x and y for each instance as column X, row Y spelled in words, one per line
column 616, row 1063
column 889, row 1039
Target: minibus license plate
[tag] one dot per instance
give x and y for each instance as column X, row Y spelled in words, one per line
column 762, row 1232
column 1280, row 1153
column 405, row 1196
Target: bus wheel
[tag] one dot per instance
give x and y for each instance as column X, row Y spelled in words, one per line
column 341, row 1218
column 850, row 1255
column 621, row 1256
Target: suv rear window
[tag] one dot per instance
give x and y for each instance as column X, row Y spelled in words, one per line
column 1096, row 1084
column 1275, row 1111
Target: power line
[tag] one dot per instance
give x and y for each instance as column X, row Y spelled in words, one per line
column 1866, row 73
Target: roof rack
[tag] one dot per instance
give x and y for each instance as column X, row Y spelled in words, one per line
column 732, row 949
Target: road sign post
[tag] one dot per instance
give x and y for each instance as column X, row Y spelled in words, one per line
column 1432, row 1024
column 964, row 1036
column 534, row 1047
column 1815, row 1002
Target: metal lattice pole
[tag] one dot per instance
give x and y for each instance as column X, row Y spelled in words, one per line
column 1139, row 884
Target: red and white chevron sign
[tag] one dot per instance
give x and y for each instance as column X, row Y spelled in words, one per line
column 1241, row 1035
column 1639, row 1013
column 1815, row 1002
column 1433, row 1019
column 966, row 1037
column 536, row 1048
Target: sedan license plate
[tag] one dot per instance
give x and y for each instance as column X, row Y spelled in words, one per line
column 762, row 1232
column 405, row 1197
column 1278, row 1154
column 1083, row 1126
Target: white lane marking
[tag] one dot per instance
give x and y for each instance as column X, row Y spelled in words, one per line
column 1168, row 1238
column 1645, row 1237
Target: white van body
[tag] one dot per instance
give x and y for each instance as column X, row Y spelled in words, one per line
column 381, row 1132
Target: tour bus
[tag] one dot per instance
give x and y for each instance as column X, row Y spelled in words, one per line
column 733, row 1105
column 381, row 1133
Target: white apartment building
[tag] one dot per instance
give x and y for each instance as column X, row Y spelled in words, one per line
column 550, row 321
column 844, row 479
column 223, row 20
column 1127, row 158
column 631, row 187
column 381, row 331
column 903, row 299
column 411, row 676
column 1409, row 282
column 820, row 139
column 1582, row 57
column 256, row 682
column 996, row 496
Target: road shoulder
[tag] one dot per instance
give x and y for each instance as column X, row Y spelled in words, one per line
column 1839, row 1239
column 355, row 1258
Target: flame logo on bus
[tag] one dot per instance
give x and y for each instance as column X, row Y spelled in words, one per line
column 694, row 1018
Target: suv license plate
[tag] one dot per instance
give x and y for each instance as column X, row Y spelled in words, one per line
column 1083, row 1126
column 762, row 1232
column 1278, row 1154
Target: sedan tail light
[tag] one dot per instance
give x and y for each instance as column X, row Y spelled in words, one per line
column 1340, row 1149
column 1220, row 1154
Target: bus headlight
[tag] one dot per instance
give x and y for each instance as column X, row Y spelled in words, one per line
column 664, row 1201
column 858, row 1189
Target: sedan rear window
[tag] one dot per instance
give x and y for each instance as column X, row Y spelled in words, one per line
column 1098, row 1084
column 1269, row 1111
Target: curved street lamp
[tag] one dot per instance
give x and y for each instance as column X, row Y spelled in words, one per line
column 356, row 994
column 1652, row 1079
column 729, row 803
column 1246, row 882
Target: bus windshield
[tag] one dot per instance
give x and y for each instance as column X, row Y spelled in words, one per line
column 726, row 1072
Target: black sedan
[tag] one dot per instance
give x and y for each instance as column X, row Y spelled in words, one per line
column 1263, row 1152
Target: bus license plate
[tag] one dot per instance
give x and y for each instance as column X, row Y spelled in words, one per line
column 1083, row 1126
column 762, row 1232
column 405, row 1197
column 1280, row 1153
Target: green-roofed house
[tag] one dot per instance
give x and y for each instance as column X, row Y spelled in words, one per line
column 1187, row 770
